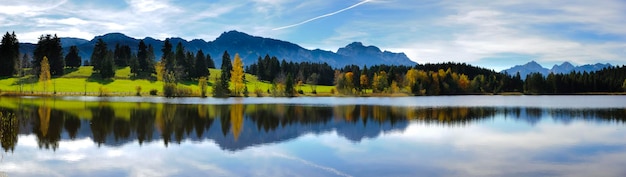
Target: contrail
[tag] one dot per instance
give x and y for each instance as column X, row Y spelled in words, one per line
column 323, row 16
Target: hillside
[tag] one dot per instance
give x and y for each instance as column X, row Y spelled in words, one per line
column 80, row 81
column 248, row 47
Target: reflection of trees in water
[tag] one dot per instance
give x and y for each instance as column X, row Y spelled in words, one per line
column 236, row 119
column 48, row 127
column 175, row 123
column 9, row 128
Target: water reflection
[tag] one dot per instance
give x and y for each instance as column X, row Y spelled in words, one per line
column 238, row 126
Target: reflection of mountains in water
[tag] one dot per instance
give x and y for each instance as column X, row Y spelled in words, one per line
column 235, row 127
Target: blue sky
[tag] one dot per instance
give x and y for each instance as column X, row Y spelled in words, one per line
column 492, row 34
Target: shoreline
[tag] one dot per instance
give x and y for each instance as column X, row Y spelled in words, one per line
column 128, row 94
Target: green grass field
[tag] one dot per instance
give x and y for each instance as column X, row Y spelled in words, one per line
column 80, row 81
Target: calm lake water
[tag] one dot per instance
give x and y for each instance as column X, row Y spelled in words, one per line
column 408, row 136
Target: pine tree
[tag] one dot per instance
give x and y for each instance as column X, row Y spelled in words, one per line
column 201, row 65
column 237, row 75
column 99, row 53
column 168, row 58
column 72, row 59
column 209, row 62
column 107, row 66
column 226, row 64
column 121, row 55
column 289, row 89
column 9, row 54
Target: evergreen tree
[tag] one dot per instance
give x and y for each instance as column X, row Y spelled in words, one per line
column 145, row 59
column 289, row 86
column 107, row 66
column 201, row 65
column 9, row 54
column 49, row 46
column 98, row 55
column 188, row 70
column 220, row 88
column 181, row 64
column 121, row 55
column 150, row 62
column 226, row 64
column 209, row 62
column 72, row 59
column 168, row 57
column 134, row 65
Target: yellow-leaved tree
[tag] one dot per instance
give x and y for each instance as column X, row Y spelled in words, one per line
column 44, row 76
column 236, row 76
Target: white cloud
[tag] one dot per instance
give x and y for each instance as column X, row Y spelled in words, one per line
column 143, row 6
column 28, row 7
column 322, row 16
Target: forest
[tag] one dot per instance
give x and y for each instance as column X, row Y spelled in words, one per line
column 178, row 65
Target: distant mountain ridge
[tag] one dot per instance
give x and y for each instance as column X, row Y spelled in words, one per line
column 564, row 68
column 247, row 46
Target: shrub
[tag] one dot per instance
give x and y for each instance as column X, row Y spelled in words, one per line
column 103, row 91
column 259, row 92
column 300, row 92
column 183, row 91
column 314, row 92
column 202, row 83
column 169, row 90
column 245, row 91
column 332, row 91
column 138, row 89
column 153, row 92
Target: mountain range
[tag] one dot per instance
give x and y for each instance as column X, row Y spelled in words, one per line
column 247, row 46
column 564, row 68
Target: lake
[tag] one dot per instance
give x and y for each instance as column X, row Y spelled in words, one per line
column 327, row 136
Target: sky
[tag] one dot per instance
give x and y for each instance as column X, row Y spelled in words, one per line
column 491, row 34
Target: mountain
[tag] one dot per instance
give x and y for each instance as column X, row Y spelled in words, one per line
column 69, row 41
column 566, row 67
column 248, row 47
column 530, row 67
column 372, row 54
column 590, row 67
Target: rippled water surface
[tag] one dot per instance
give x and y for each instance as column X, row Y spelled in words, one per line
column 408, row 136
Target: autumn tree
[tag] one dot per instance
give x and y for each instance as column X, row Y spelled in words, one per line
column 379, row 82
column 72, row 59
column 44, row 74
column 9, row 54
column 237, row 75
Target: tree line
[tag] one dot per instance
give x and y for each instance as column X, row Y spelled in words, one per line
column 178, row 64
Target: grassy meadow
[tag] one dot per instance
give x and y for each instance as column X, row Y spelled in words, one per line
column 80, row 81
